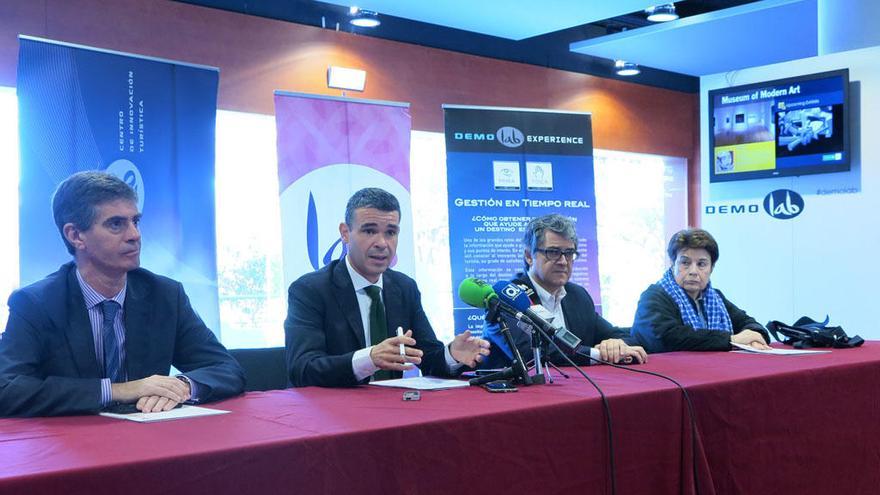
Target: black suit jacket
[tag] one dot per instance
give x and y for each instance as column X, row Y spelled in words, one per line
column 581, row 319
column 47, row 353
column 323, row 328
column 659, row 326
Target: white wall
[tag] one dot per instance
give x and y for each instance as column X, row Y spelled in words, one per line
column 8, row 198
column 824, row 261
column 847, row 25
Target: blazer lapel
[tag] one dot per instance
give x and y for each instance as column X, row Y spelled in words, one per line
column 138, row 314
column 574, row 312
column 79, row 330
column 347, row 300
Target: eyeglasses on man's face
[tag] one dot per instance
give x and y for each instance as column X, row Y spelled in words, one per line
column 553, row 254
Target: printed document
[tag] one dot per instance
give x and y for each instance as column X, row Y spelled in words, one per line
column 778, row 352
column 422, row 383
column 178, row 413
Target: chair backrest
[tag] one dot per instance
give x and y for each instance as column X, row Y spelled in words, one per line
column 265, row 369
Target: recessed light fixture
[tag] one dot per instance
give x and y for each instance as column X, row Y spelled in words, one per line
column 624, row 68
column 363, row 18
column 662, row 13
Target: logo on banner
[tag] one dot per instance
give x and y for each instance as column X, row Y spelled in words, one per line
column 510, row 137
column 129, row 173
column 783, row 204
column 312, row 243
column 506, row 175
column 312, row 208
column 539, row 176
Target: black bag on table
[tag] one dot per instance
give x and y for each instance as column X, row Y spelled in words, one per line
column 806, row 333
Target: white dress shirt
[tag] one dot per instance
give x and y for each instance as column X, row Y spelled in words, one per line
column 552, row 302
column 361, row 362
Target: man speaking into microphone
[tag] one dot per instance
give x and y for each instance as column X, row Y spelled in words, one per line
column 341, row 319
column 550, row 244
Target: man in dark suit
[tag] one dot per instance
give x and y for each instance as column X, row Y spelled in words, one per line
column 550, row 244
column 341, row 319
column 101, row 330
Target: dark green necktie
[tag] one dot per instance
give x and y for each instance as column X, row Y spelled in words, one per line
column 378, row 324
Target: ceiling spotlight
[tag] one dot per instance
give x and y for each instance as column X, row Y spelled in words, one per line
column 624, row 68
column 662, row 13
column 363, row 18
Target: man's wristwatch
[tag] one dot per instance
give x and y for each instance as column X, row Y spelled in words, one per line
column 185, row 379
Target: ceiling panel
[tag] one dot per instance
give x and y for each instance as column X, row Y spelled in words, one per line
column 750, row 35
column 511, row 19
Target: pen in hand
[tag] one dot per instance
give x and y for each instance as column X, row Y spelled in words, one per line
column 402, row 347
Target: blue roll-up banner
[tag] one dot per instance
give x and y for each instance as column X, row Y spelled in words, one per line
column 150, row 122
column 505, row 167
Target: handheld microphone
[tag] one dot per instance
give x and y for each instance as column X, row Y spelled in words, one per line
column 514, row 296
column 532, row 295
column 571, row 341
column 474, row 292
column 477, row 293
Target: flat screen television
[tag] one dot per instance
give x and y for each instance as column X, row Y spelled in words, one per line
column 793, row 126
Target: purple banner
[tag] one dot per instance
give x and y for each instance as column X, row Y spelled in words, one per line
column 328, row 148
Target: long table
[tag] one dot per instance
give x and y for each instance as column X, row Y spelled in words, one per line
column 766, row 424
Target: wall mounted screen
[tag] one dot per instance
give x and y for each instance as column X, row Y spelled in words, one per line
column 793, row 126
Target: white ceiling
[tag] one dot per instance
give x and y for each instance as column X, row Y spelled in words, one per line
column 750, row 35
column 511, row 19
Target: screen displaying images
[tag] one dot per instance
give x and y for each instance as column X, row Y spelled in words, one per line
column 792, row 126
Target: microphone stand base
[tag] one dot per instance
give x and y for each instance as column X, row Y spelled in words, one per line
column 509, row 373
column 539, row 379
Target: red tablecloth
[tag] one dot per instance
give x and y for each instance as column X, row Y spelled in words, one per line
column 767, row 424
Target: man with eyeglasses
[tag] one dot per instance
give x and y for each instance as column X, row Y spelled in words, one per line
column 550, row 244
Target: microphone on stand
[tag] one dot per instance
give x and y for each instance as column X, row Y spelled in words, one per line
column 479, row 294
column 514, row 298
column 516, row 295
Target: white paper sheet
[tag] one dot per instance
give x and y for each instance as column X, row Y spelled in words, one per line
column 422, row 383
column 777, row 352
column 181, row 412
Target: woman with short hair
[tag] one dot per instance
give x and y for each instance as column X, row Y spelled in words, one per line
column 683, row 312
